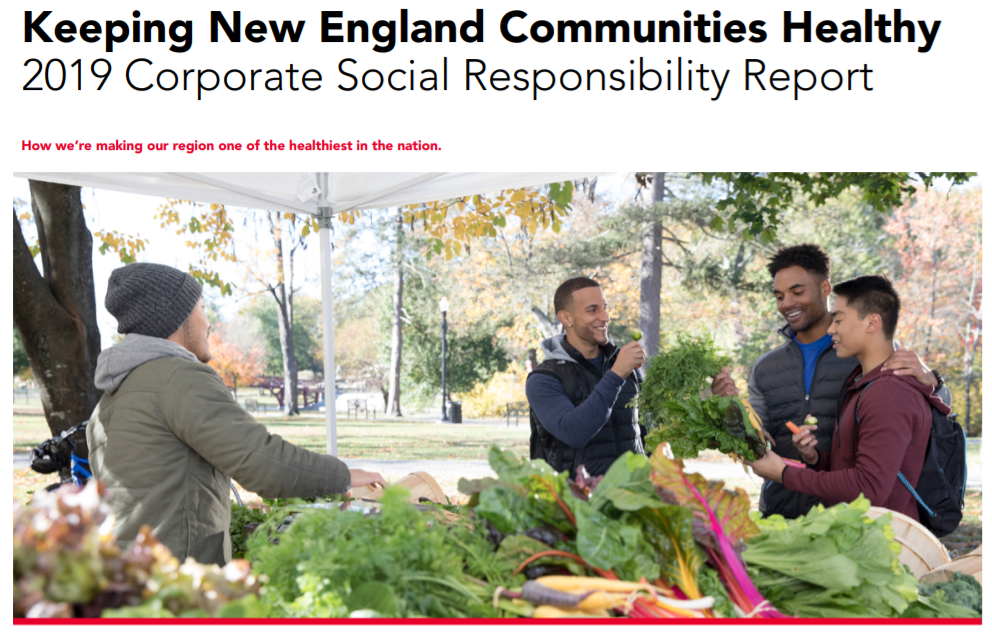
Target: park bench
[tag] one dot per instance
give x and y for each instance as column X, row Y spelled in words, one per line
column 516, row 410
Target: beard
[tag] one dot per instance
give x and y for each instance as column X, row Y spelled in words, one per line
column 814, row 313
column 589, row 335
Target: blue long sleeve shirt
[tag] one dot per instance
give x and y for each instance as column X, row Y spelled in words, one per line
column 573, row 425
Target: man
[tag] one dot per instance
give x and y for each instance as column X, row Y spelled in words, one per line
column 581, row 396
column 885, row 419
column 804, row 376
column 167, row 437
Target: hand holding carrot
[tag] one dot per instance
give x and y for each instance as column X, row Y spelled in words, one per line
column 805, row 442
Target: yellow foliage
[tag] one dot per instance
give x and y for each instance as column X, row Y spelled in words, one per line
column 210, row 230
column 126, row 246
column 489, row 399
column 479, row 216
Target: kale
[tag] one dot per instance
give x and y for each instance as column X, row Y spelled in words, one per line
column 240, row 516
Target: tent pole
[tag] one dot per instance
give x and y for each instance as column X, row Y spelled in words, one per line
column 327, row 306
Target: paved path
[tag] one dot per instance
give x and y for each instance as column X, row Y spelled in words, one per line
column 477, row 469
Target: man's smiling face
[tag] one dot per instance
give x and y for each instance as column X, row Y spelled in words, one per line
column 800, row 297
column 588, row 315
column 849, row 331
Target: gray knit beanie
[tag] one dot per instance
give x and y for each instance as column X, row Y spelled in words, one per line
column 151, row 299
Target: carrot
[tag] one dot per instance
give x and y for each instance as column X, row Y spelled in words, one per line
column 546, row 611
column 793, row 427
column 539, row 594
column 574, row 583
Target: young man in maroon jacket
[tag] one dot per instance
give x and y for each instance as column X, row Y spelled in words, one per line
column 884, row 421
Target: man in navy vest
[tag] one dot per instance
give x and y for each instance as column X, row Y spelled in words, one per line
column 581, row 396
column 803, row 376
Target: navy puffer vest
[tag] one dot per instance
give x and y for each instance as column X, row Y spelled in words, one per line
column 778, row 374
column 620, row 434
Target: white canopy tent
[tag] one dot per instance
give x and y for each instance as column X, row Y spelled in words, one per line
column 320, row 194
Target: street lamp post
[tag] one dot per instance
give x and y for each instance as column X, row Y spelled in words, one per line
column 443, row 305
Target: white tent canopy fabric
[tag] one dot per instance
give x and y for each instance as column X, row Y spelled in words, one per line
column 306, row 193
column 282, row 190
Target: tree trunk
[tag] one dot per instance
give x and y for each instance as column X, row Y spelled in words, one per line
column 396, row 353
column 651, row 257
column 288, row 346
column 55, row 312
column 283, row 294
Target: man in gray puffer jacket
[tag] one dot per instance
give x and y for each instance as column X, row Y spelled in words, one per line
column 804, row 375
column 167, row 436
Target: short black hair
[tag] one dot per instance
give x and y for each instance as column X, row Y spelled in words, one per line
column 808, row 256
column 563, row 295
column 872, row 294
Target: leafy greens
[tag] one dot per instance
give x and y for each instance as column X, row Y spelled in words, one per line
column 833, row 562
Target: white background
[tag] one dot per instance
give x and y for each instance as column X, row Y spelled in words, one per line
column 928, row 111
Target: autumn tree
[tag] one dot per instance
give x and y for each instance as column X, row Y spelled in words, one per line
column 239, row 360
column 272, row 269
column 938, row 242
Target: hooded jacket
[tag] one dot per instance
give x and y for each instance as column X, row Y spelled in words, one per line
column 865, row 456
column 167, row 437
column 777, row 392
column 584, row 416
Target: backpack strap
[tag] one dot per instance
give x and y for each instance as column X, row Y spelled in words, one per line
column 916, row 496
column 899, row 475
column 857, row 419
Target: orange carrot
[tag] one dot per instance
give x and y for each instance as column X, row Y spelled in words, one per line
column 793, row 427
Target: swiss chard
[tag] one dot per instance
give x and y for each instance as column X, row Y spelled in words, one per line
column 725, row 522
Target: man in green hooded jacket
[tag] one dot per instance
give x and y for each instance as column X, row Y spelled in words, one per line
column 167, row 436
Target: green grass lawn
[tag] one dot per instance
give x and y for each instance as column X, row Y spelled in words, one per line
column 29, row 431
column 358, row 439
column 403, row 440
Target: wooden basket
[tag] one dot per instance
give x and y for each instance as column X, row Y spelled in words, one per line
column 970, row 564
column 420, row 484
column 921, row 551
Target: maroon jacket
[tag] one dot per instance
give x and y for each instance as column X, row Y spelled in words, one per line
column 892, row 436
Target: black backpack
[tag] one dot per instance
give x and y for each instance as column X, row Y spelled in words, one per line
column 939, row 492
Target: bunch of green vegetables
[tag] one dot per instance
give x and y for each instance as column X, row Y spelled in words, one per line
column 833, row 562
column 240, row 517
column 243, row 515
column 399, row 563
column 961, row 596
column 671, row 405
